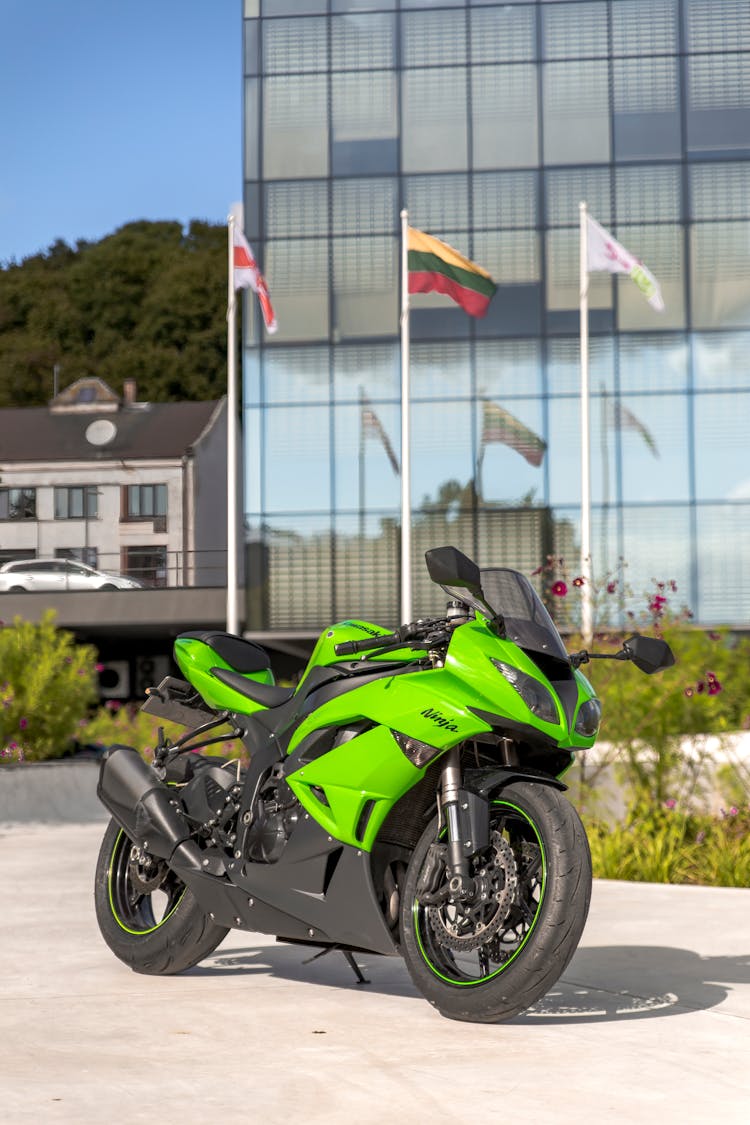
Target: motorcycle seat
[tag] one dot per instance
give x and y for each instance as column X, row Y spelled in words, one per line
column 242, row 655
column 266, row 694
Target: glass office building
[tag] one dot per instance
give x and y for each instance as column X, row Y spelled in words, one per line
column 490, row 122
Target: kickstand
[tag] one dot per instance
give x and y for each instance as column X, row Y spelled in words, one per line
column 361, row 979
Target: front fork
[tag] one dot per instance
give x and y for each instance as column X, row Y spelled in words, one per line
column 467, row 820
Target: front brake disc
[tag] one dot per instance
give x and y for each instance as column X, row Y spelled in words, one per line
column 466, row 926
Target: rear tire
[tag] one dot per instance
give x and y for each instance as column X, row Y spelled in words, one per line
column 491, row 960
column 147, row 916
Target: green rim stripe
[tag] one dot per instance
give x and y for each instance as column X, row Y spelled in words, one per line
column 504, row 966
column 115, row 915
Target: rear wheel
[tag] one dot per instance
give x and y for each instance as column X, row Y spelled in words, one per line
column 492, row 956
column 147, row 916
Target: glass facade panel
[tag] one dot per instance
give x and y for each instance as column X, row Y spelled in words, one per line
column 504, row 473
column 722, row 361
column 571, row 31
column 370, row 368
column 364, row 123
column 433, row 120
column 433, row 38
column 507, row 139
column 365, row 287
column 723, row 590
column 721, row 467
column 297, row 459
column 490, row 122
column 368, row 456
column 650, row 433
column 645, row 27
column 576, row 112
column 295, row 129
column 720, row 263
column 647, row 120
column 503, row 34
column 363, row 42
column 299, row 272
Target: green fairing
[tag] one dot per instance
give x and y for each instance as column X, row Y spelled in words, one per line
column 195, row 660
column 431, row 705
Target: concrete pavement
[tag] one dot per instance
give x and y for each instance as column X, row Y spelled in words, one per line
column 650, row 1023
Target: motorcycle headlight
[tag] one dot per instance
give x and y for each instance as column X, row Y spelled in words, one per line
column 535, row 695
column 588, row 718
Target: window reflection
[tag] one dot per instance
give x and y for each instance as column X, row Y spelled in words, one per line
column 650, row 431
column 297, row 465
column 576, row 112
column 368, row 455
column 433, row 126
column 506, row 138
column 295, row 131
column 721, row 467
column 365, row 282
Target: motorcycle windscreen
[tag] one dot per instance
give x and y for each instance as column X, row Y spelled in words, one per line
column 527, row 622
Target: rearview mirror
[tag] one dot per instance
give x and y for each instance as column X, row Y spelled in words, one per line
column 648, row 653
column 447, row 566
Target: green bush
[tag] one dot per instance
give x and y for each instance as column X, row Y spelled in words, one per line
column 671, row 845
column 132, row 727
column 47, row 684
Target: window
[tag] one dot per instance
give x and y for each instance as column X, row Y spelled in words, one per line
column 76, row 503
column 144, row 501
column 17, row 503
column 147, row 564
column 87, row 555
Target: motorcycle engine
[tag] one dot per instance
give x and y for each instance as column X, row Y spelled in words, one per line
column 276, row 813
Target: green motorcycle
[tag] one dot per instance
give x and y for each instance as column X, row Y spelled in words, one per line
column 405, row 799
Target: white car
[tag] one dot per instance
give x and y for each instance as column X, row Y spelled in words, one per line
column 52, row 575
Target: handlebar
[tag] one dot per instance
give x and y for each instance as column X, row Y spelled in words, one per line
column 345, row 648
column 406, row 633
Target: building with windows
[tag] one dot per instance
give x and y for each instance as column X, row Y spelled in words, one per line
column 490, row 122
column 127, row 487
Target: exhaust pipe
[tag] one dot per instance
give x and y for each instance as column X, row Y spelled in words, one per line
column 144, row 807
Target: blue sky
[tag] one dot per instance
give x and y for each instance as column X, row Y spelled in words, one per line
column 111, row 112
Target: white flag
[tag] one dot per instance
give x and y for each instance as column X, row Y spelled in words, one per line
column 606, row 254
column 248, row 276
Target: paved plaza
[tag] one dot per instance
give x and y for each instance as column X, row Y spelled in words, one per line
column 650, row 1023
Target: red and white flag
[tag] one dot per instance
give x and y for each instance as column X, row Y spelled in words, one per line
column 248, row 276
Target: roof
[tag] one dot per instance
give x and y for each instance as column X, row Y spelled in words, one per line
column 146, row 431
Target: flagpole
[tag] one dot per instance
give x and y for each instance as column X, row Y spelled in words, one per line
column 587, row 629
column 406, row 607
column 232, row 615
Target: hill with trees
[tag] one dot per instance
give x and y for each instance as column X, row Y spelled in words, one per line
column 147, row 302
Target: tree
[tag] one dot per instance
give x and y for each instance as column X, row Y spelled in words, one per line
column 146, row 302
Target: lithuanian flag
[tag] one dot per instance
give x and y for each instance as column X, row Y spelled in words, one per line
column 435, row 266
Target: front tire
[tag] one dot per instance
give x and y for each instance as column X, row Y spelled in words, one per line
column 147, row 916
column 486, row 961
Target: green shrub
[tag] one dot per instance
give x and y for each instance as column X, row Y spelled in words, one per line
column 47, row 683
column 670, row 845
column 133, row 727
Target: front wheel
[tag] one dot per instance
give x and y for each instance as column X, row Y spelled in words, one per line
column 489, row 957
column 147, row 916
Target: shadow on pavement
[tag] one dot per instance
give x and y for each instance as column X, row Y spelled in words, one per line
column 602, row 984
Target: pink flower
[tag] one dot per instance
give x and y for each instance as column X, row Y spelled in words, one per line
column 611, row 587
column 689, row 692
column 670, row 803
column 559, row 589
column 23, row 723
column 578, row 582
column 733, row 811
column 99, row 667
